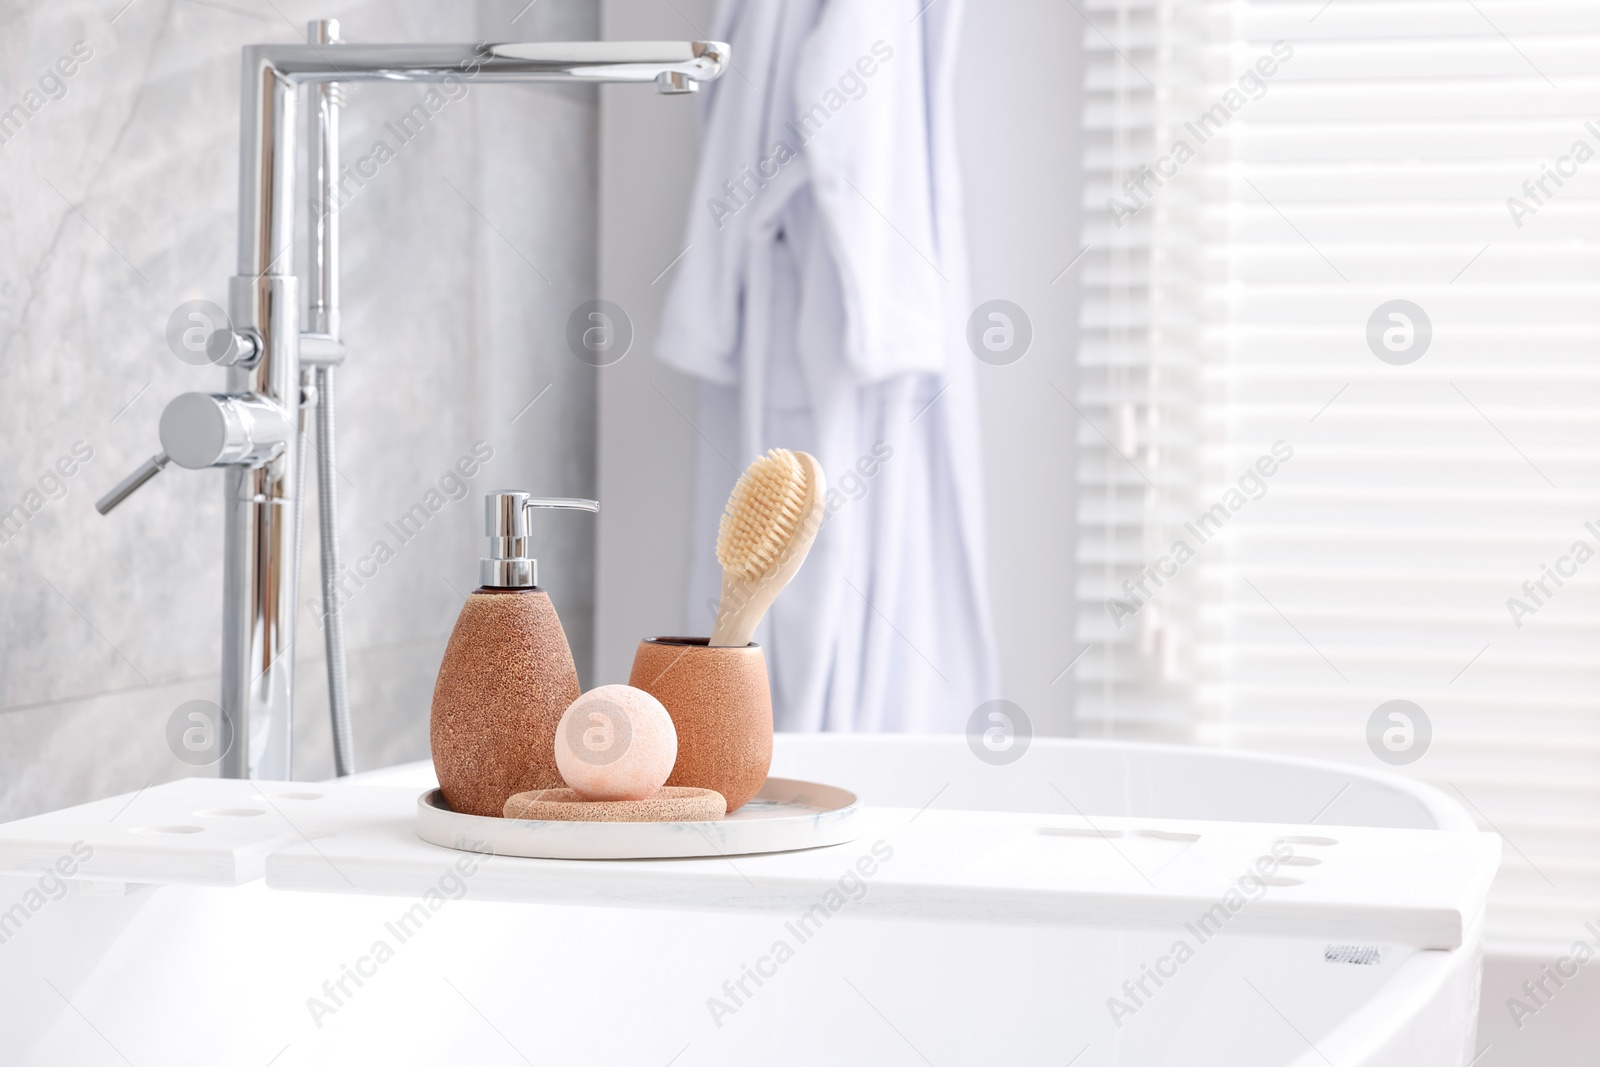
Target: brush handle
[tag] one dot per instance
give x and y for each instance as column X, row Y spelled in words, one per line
column 745, row 601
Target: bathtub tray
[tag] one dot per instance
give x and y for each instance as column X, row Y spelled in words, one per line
column 1360, row 886
column 1353, row 885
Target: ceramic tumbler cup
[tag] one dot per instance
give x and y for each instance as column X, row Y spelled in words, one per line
column 720, row 705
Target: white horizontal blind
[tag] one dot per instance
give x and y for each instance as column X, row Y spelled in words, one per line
column 1139, row 464
column 1385, row 160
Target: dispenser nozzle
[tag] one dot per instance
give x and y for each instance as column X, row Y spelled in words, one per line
column 510, row 563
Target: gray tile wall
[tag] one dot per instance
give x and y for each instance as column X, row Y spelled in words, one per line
column 462, row 259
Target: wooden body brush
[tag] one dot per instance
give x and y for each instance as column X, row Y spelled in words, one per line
column 770, row 522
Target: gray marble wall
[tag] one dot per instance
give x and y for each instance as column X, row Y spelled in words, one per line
column 463, row 257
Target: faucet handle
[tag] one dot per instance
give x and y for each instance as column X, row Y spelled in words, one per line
column 227, row 347
column 200, row 430
column 125, row 488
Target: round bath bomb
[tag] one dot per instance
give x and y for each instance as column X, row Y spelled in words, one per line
column 616, row 743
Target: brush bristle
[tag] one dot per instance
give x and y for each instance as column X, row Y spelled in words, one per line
column 763, row 515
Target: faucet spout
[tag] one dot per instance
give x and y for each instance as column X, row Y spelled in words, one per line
column 583, row 61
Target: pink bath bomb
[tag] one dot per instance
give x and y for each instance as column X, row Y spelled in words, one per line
column 616, row 743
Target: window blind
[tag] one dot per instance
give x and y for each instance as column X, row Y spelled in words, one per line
column 1355, row 326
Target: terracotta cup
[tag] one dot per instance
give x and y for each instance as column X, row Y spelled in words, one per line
column 721, row 707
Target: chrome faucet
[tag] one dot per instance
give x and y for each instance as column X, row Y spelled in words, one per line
column 277, row 367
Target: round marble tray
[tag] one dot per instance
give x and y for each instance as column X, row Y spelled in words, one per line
column 786, row 814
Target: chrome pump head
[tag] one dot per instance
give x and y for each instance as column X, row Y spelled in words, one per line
column 510, row 563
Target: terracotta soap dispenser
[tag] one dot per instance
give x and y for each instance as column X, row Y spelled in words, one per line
column 507, row 673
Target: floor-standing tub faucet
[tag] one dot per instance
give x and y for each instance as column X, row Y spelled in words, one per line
column 254, row 429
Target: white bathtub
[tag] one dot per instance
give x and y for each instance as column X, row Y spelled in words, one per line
column 114, row 973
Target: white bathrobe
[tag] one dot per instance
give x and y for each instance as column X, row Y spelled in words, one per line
column 823, row 302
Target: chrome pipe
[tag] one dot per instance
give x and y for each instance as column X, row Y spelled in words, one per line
column 323, row 320
column 323, row 151
column 259, row 578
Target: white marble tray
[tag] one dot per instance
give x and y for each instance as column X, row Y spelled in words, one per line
column 787, row 814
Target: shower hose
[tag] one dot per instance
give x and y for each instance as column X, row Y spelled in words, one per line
column 328, row 542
